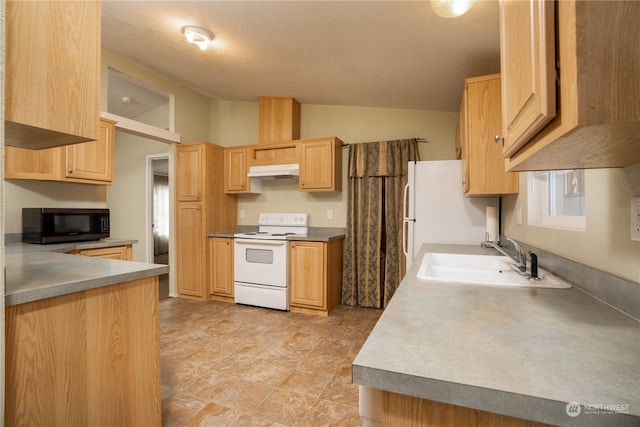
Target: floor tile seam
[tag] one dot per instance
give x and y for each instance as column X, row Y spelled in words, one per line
column 286, row 391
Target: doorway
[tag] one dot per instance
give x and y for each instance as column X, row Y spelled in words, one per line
column 159, row 207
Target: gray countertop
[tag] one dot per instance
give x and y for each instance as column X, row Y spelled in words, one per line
column 525, row 353
column 318, row 234
column 35, row 272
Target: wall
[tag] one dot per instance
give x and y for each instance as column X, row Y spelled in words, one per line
column 48, row 194
column 605, row 244
column 127, row 197
column 236, row 123
column 192, row 110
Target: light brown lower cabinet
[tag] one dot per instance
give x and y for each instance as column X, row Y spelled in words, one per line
column 90, row 358
column 124, row 253
column 221, row 268
column 315, row 276
column 399, row 410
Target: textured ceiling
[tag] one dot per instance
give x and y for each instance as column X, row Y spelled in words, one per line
column 387, row 54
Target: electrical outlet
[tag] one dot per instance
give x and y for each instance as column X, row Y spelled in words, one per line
column 241, row 213
column 635, row 218
column 519, row 215
column 329, row 214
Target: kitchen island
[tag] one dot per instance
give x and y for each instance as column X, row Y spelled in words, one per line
column 517, row 353
column 82, row 337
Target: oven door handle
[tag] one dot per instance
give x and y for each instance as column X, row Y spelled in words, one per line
column 260, row 242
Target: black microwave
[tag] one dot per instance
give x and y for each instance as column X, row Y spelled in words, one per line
column 56, row 225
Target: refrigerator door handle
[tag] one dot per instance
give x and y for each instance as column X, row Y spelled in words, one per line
column 405, row 246
column 405, row 203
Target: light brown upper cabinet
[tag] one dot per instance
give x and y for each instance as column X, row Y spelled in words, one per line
column 480, row 119
column 529, row 69
column 93, row 160
column 236, row 166
column 278, row 119
column 235, row 170
column 87, row 162
column 52, row 73
column 321, row 164
column 189, row 165
column 597, row 120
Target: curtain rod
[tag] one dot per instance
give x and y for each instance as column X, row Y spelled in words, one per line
column 420, row 141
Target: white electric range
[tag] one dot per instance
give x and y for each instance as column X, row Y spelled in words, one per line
column 261, row 260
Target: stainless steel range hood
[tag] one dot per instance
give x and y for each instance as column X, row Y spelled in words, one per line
column 291, row 171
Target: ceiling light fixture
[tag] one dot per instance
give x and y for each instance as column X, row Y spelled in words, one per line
column 198, row 36
column 451, row 8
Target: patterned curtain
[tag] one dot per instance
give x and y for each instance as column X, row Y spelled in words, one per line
column 374, row 263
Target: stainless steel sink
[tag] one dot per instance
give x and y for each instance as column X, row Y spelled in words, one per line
column 483, row 270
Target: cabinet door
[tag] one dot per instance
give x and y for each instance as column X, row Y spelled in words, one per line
column 114, row 252
column 462, row 139
column 307, row 274
column 483, row 162
column 93, row 161
column 191, row 251
column 221, row 266
column 189, row 172
column 320, row 166
column 235, row 173
column 527, row 54
column 52, row 72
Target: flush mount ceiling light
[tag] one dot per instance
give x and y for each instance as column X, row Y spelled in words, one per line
column 198, row 36
column 451, row 8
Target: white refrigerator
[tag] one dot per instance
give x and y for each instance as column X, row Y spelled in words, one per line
column 436, row 210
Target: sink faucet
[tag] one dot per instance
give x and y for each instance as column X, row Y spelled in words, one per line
column 520, row 257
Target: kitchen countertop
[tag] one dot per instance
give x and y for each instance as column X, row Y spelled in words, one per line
column 36, row 272
column 525, row 353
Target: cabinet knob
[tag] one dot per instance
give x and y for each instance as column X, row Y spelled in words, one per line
column 70, row 170
column 498, row 138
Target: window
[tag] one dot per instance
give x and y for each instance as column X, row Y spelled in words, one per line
column 557, row 199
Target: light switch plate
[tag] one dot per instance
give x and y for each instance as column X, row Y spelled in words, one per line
column 635, row 218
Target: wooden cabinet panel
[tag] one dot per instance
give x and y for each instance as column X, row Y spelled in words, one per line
column 52, row 70
column 528, row 69
column 200, row 178
column 23, row 163
column 221, row 266
column 123, row 253
column 399, row 410
column 597, row 124
column 235, row 177
column 321, row 165
column 190, row 249
column 93, row 160
column 86, row 358
column 189, row 182
column 307, row 274
column 236, row 167
column 483, row 165
column 273, row 154
column 88, row 162
column 315, row 276
column 278, row 119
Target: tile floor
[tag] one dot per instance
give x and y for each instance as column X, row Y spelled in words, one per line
column 231, row 365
